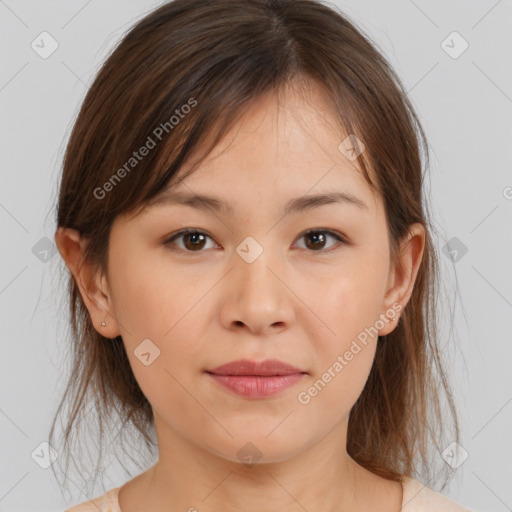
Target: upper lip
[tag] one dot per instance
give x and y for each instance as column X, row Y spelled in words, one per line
column 250, row 367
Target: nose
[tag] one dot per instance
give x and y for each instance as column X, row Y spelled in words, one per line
column 256, row 296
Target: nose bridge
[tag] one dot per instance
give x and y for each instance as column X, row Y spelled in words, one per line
column 257, row 296
column 253, row 261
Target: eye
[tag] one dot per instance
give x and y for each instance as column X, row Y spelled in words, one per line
column 317, row 239
column 194, row 240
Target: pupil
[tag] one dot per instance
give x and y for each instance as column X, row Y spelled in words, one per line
column 194, row 238
column 197, row 240
column 316, row 237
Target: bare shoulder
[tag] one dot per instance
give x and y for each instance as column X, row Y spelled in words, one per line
column 417, row 497
column 107, row 502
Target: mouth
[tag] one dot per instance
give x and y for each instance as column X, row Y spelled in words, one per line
column 254, row 379
column 248, row 367
column 257, row 386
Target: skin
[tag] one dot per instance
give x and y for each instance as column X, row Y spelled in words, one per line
column 209, row 306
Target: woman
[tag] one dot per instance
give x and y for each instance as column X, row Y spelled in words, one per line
column 252, row 274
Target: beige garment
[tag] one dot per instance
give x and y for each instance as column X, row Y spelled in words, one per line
column 417, row 498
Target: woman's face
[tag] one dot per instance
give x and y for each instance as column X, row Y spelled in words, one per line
column 252, row 285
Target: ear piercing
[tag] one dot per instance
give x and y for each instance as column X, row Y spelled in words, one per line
column 103, row 324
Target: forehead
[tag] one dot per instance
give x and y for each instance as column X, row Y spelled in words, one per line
column 288, row 142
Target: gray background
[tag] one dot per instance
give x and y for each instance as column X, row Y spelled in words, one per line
column 465, row 104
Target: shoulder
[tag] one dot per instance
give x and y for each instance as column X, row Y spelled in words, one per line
column 108, row 502
column 420, row 498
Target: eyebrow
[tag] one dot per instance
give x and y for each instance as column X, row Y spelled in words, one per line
column 213, row 204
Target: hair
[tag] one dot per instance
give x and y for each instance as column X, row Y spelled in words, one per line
column 190, row 68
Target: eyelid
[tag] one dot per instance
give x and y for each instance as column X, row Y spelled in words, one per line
column 342, row 239
column 336, row 234
column 168, row 241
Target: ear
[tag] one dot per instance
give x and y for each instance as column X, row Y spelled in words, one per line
column 402, row 275
column 93, row 287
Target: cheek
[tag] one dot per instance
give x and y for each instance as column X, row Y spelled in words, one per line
column 333, row 389
column 153, row 298
column 344, row 360
column 349, row 305
column 160, row 304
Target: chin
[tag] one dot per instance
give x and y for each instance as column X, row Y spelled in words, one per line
column 256, row 450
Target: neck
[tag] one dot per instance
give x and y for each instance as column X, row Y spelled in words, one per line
column 187, row 477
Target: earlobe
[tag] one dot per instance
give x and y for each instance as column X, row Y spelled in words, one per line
column 403, row 275
column 92, row 287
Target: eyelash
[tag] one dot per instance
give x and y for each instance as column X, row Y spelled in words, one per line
column 170, row 241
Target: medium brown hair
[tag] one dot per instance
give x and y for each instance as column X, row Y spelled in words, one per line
column 217, row 57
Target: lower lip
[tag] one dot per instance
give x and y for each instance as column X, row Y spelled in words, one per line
column 257, row 386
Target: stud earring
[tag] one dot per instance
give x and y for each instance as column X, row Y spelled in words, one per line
column 103, row 324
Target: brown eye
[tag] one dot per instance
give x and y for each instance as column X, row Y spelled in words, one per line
column 196, row 241
column 192, row 241
column 316, row 239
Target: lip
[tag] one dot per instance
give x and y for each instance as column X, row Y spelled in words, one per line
column 257, row 386
column 248, row 367
column 255, row 379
